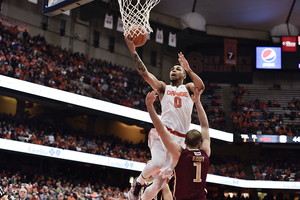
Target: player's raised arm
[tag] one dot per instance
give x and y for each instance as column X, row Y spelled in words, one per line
column 195, row 78
column 173, row 147
column 203, row 121
column 149, row 78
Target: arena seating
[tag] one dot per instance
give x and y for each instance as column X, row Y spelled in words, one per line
column 277, row 165
column 267, row 108
column 42, row 63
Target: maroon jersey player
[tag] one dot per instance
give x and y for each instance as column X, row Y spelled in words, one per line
column 192, row 163
column 191, row 169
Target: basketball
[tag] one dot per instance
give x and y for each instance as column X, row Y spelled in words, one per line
column 139, row 34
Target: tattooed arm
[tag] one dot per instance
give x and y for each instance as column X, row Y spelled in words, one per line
column 149, row 78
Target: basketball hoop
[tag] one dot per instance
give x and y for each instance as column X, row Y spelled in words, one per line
column 134, row 14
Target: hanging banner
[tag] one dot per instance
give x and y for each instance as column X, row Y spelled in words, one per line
column 172, row 39
column 230, row 52
column 120, row 25
column 10, row 23
column 159, row 36
column 208, row 62
column 108, row 22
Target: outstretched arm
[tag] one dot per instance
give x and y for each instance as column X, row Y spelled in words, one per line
column 195, row 78
column 149, row 78
column 173, row 147
column 203, row 121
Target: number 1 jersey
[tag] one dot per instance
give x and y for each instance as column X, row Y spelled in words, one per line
column 190, row 175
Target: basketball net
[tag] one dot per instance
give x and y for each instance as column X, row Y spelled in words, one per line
column 136, row 14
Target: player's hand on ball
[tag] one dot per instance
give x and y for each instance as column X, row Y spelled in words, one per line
column 130, row 44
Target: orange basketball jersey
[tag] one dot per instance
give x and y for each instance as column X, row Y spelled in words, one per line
column 176, row 114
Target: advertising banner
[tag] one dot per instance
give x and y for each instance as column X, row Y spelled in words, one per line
column 11, row 23
column 289, row 44
column 268, row 58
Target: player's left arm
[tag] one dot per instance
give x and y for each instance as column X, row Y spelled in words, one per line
column 173, row 147
column 205, row 144
column 197, row 81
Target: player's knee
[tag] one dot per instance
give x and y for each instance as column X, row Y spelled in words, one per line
column 157, row 165
column 157, row 187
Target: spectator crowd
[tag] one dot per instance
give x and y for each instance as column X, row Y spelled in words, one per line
column 60, row 135
column 33, row 59
column 285, row 166
column 255, row 117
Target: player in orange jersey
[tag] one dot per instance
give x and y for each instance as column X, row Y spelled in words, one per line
column 177, row 105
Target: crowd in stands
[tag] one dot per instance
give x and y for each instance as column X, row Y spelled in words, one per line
column 254, row 117
column 61, row 135
column 229, row 166
column 33, row 59
column 52, row 190
column 292, row 110
column 285, row 166
column 215, row 112
column 65, row 180
column 44, row 183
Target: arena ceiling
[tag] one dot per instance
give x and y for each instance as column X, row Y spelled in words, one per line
column 246, row 14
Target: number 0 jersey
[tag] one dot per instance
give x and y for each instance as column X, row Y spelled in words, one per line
column 190, row 175
column 177, row 107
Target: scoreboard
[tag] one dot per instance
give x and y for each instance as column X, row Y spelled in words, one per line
column 283, row 57
column 290, row 52
column 269, row 138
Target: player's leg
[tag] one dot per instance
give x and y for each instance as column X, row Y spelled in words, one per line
column 158, row 153
column 157, row 185
column 166, row 192
column 158, row 158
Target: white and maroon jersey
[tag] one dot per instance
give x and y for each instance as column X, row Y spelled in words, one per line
column 190, row 175
column 177, row 106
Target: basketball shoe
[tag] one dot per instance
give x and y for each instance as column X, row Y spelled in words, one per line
column 134, row 190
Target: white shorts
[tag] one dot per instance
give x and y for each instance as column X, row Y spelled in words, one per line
column 154, row 139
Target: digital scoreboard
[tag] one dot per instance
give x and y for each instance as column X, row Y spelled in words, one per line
column 283, row 57
column 269, row 138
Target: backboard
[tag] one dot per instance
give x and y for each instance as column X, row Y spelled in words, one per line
column 55, row 7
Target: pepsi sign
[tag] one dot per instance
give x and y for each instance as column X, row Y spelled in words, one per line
column 268, row 58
